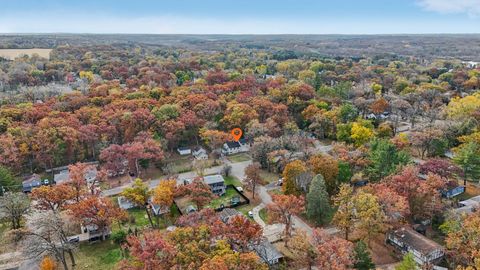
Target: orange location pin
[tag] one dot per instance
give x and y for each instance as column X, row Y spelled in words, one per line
column 236, row 133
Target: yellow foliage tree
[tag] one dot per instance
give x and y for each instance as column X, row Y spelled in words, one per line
column 459, row 108
column 163, row 193
column 361, row 134
column 290, row 174
column 48, row 264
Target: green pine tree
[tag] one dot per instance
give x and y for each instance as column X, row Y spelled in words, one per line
column 468, row 158
column 384, row 159
column 363, row 261
column 408, row 263
column 318, row 205
column 7, row 180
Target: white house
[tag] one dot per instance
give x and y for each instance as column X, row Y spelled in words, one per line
column 423, row 249
column 183, row 151
column 200, row 153
column 231, row 147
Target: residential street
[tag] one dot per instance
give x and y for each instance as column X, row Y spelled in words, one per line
column 238, row 170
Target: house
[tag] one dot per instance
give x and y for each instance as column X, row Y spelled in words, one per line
column 190, row 209
column 183, row 151
column 31, row 182
column 232, row 147
column 468, row 206
column 200, row 153
column 124, row 203
column 267, row 253
column 226, row 214
column 92, row 233
column 61, row 177
column 423, row 249
column 216, row 183
column 64, row 176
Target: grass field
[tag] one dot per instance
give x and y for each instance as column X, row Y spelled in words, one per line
column 239, row 157
column 98, row 256
column 269, row 177
column 263, row 215
column 11, row 54
column 232, row 180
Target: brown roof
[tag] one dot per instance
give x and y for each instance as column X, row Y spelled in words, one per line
column 416, row 240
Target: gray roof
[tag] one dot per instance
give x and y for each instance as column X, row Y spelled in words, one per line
column 468, row 205
column 228, row 213
column 267, row 252
column 61, row 177
column 416, row 240
column 213, row 179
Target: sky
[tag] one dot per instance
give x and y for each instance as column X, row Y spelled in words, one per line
column 241, row 16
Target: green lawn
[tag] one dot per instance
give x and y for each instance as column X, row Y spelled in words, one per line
column 225, row 199
column 239, row 157
column 245, row 208
column 98, row 256
column 269, row 177
column 232, row 180
column 263, row 215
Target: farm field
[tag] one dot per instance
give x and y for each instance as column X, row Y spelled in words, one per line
column 11, row 54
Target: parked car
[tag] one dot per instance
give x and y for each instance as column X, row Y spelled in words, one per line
column 250, row 214
column 235, row 200
column 280, row 182
column 240, row 189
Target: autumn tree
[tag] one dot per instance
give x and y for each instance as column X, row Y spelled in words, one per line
column 198, row 191
column 149, row 251
column 13, row 207
column 139, row 194
column 241, row 233
column 318, row 203
column 462, row 238
column 333, row 253
column 344, row 218
column 214, row 138
column 290, row 174
column 48, row 263
column 98, row 212
column 304, row 254
column 369, row 215
column 283, row 209
column 163, row 194
column 53, row 198
column 441, row 167
column 253, row 177
column 328, row 168
column 361, row 132
column 426, row 141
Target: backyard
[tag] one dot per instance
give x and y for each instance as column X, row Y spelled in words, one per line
column 98, row 255
column 239, row 157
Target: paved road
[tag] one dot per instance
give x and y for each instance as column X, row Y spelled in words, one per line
column 238, row 169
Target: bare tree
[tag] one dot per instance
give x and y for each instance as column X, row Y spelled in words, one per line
column 47, row 235
column 13, row 206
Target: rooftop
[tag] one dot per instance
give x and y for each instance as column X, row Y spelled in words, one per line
column 213, row 179
column 227, row 213
column 267, row 252
column 416, row 240
column 232, row 144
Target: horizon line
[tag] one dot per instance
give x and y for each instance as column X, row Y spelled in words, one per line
column 240, row 34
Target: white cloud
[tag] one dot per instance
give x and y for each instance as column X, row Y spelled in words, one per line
column 470, row 7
